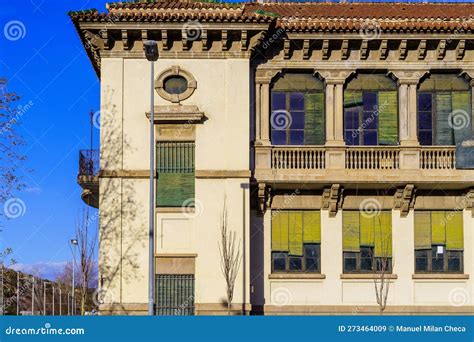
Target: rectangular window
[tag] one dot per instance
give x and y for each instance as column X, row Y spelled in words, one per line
column 370, row 118
column 296, row 241
column 174, row 294
column 297, row 118
column 175, row 174
column 439, row 113
column 367, row 242
column 439, row 241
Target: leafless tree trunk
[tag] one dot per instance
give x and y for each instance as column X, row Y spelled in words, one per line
column 230, row 257
column 86, row 245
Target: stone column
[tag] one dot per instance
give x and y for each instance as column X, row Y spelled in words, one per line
column 334, row 108
column 407, row 82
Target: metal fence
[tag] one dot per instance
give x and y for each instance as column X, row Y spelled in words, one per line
column 88, row 162
column 175, row 294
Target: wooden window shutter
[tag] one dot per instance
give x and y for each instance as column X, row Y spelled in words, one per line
column 461, row 118
column 311, row 227
column 175, row 173
column 383, row 234
column 367, row 229
column 314, row 126
column 295, row 232
column 444, row 132
column 280, row 231
column 388, row 118
column 350, row 231
column 438, row 227
column 422, row 230
column 454, row 230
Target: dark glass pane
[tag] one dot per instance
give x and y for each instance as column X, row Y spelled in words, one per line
column 312, row 264
column 278, row 101
column 424, row 120
column 370, row 100
column 421, row 261
column 311, row 251
column 351, row 119
column 278, row 137
column 454, row 261
column 424, row 102
column 175, row 85
column 297, row 137
column 279, row 261
column 366, row 258
column 350, row 262
column 370, row 120
column 312, row 255
column 296, row 264
column 370, row 138
column 437, row 259
column 352, row 137
column 296, row 101
column 426, row 137
column 297, row 120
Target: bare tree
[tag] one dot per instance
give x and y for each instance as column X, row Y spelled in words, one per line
column 230, row 257
column 86, row 245
column 382, row 266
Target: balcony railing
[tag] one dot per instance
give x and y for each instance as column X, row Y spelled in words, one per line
column 88, row 162
column 363, row 157
column 298, row 158
column 438, row 158
column 372, row 158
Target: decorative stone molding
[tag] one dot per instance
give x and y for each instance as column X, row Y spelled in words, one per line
column 404, row 199
column 384, row 49
column 264, row 197
column 441, row 52
column 177, row 114
column 345, row 52
column 332, row 199
column 470, row 201
column 175, row 70
column 460, row 49
column 422, row 50
column 403, row 49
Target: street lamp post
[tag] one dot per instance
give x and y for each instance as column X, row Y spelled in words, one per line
column 151, row 53
column 73, row 303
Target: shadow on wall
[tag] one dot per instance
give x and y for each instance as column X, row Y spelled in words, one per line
column 120, row 234
column 256, row 261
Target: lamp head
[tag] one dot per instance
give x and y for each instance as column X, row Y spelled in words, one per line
column 151, row 50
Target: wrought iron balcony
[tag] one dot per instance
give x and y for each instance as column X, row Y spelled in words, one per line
column 88, row 176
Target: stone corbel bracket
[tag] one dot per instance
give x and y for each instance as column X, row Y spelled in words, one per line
column 470, row 201
column 405, row 199
column 264, row 197
column 188, row 114
column 332, row 199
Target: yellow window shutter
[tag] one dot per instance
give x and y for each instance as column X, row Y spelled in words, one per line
column 350, row 231
column 454, row 230
column 295, row 219
column 422, row 229
column 367, row 229
column 438, row 227
column 280, row 231
column 311, row 227
column 383, row 235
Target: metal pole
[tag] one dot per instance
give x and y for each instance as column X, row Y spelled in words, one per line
column 73, row 270
column 53, row 298
column 33, row 298
column 44, row 299
column 151, row 242
column 60, row 302
column 17, row 293
column 68, row 309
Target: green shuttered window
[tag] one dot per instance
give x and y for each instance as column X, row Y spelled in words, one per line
column 439, row 241
column 175, row 173
column 296, row 239
column 388, row 118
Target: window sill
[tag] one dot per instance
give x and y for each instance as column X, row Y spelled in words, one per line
column 296, row 276
column 360, row 276
column 174, row 210
column 440, row 276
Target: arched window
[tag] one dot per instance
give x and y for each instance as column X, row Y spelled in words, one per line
column 444, row 110
column 297, row 117
column 371, row 111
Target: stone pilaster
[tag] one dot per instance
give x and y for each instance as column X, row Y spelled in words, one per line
column 263, row 79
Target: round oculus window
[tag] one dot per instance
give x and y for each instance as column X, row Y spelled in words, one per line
column 175, row 84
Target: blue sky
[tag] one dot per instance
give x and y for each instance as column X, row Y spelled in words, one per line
column 49, row 69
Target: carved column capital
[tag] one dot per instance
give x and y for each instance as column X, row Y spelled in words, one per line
column 334, row 76
column 265, row 76
column 407, row 76
column 469, row 75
